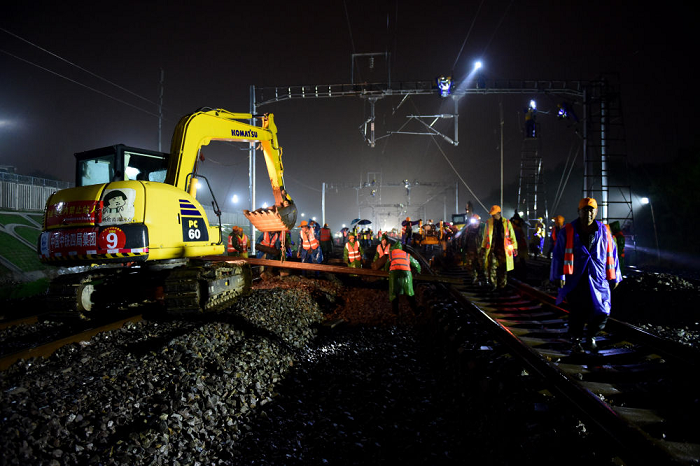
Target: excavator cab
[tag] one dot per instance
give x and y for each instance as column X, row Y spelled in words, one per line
column 120, row 163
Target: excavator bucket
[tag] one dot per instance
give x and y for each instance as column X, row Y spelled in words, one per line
column 274, row 218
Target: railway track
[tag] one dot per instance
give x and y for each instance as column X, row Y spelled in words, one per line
column 637, row 388
column 42, row 340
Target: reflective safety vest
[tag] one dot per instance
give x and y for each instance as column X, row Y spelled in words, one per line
column 506, row 233
column 267, row 241
column 308, row 240
column 241, row 242
column 353, row 251
column 569, row 253
column 399, row 260
column 382, row 251
column 326, row 234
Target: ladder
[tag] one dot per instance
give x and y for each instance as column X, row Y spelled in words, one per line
column 606, row 174
column 532, row 200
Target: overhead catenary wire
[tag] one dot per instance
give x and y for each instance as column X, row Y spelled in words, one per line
column 80, row 84
column 81, row 69
column 498, row 26
column 352, row 41
column 467, row 38
column 449, row 162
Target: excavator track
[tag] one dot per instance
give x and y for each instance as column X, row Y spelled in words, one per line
column 77, row 293
column 206, row 287
column 194, row 288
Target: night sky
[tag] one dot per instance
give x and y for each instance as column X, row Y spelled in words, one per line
column 76, row 76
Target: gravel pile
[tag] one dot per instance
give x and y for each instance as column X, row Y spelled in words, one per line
column 660, row 303
column 653, row 281
column 179, row 392
column 266, row 383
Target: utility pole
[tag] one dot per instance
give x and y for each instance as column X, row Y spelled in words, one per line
column 500, row 107
column 160, row 110
column 323, row 203
column 251, row 170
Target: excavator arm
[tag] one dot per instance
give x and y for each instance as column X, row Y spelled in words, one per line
column 200, row 128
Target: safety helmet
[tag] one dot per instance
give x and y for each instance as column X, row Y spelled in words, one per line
column 587, row 202
column 304, row 223
column 476, row 217
column 496, row 209
column 408, row 219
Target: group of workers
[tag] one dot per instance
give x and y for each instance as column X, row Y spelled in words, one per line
column 491, row 246
column 315, row 245
column 587, row 256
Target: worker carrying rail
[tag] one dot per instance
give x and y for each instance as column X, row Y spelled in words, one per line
column 585, row 267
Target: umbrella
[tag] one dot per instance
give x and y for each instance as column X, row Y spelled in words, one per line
column 364, row 221
column 406, row 222
column 354, row 221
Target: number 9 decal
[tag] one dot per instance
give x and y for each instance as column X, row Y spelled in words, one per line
column 111, row 238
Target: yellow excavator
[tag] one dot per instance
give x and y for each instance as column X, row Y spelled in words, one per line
column 134, row 219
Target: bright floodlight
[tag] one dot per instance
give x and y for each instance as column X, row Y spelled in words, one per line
column 477, row 65
column 235, row 198
column 533, row 105
column 644, row 200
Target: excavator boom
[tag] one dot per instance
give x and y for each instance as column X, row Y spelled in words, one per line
column 200, row 128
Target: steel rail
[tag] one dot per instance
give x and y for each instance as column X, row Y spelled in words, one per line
column 636, row 445
column 47, row 349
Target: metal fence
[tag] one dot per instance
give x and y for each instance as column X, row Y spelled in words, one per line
column 27, row 193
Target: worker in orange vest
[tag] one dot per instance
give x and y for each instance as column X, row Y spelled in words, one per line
column 352, row 252
column 586, row 268
column 326, row 239
column 309, row 248
column 382, row 253
column 400, row 278
column 238, row 243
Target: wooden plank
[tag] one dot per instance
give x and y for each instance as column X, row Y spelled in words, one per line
column 342, row 269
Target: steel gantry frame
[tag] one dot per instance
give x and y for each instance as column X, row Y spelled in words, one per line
column 602, row 124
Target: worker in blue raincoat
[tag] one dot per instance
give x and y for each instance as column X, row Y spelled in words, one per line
column 399, row 266
column 585, row 267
